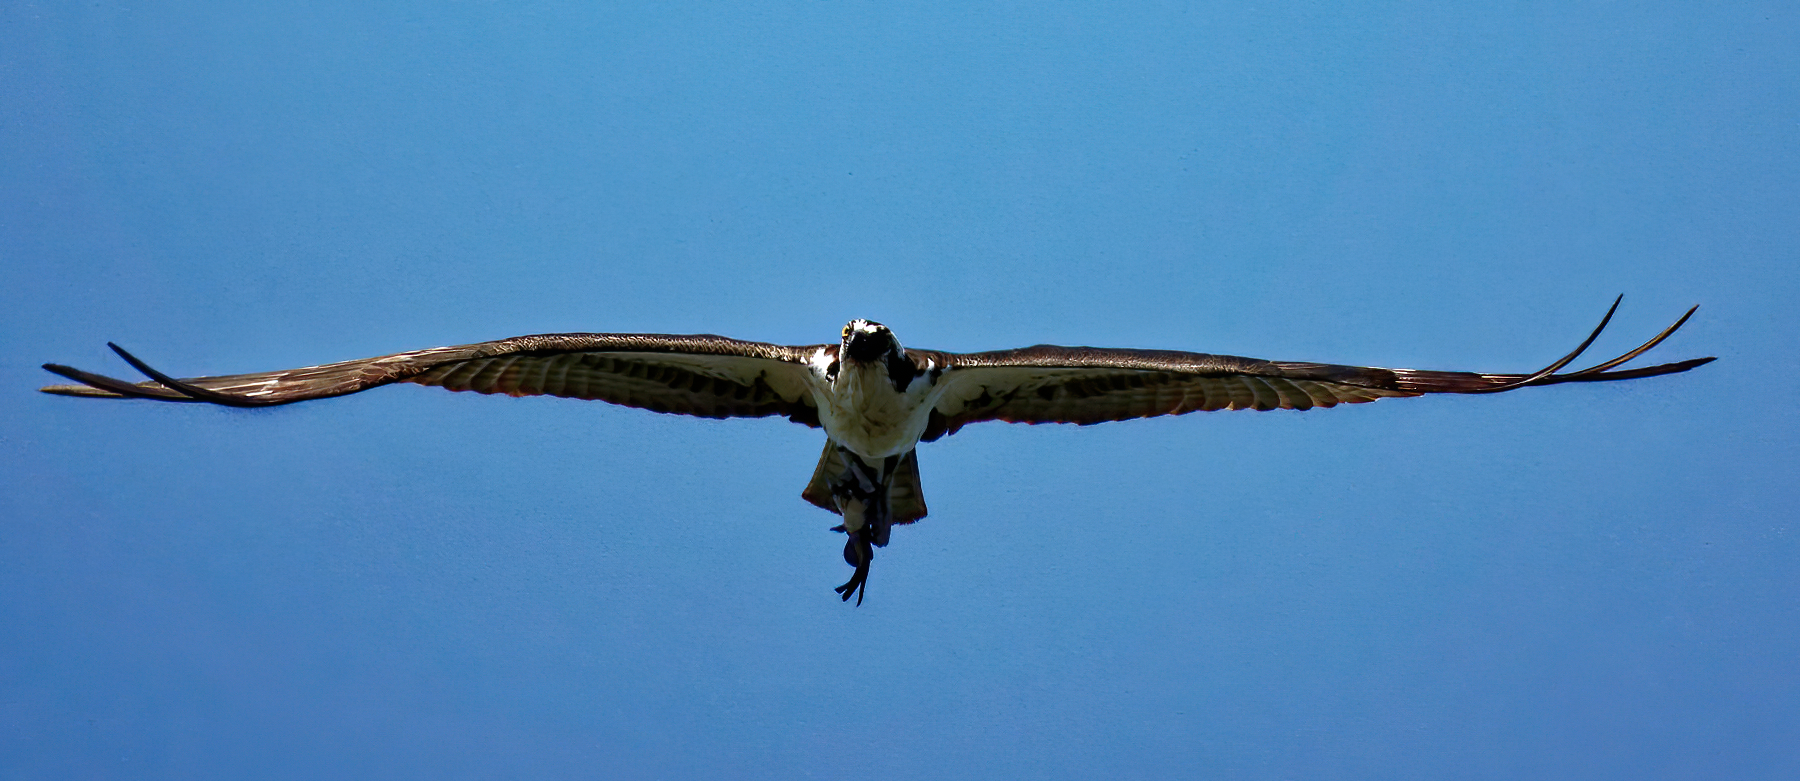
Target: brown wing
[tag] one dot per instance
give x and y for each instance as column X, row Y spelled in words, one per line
column 1084, row 385
column 703, row 375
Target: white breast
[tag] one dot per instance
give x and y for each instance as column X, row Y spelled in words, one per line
column 862, row 411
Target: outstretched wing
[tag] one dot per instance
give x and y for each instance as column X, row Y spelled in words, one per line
column 1083, row 385
column 707, row 376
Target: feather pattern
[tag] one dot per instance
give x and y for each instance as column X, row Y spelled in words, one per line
column 706, row 376
column 1086, row 385
column 718, row 377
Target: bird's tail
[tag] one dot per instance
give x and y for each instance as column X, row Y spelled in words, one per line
column 905, row 494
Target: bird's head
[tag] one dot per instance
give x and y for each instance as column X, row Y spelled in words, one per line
column 867, row 342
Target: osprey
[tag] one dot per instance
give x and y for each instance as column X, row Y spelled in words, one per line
column 875, row 399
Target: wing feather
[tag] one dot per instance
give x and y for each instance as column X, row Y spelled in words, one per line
column 1084, row 385
column 702, row 375
column 712, row 376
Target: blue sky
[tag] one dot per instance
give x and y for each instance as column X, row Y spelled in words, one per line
column 1573, row 582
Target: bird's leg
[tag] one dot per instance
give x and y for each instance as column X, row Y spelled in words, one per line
column 858, row 472
column 861, row 496
column 881, row 520
column 861, row 516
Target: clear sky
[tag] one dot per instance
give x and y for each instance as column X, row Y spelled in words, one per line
column 1572, row 582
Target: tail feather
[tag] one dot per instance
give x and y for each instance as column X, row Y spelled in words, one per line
column 905, row 493
column 818, row 489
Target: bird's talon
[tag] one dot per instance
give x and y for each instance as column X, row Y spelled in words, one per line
column 857, row 584
column 858, row 554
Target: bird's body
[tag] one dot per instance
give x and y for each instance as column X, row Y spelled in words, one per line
column 862, row 408
column 875, row 399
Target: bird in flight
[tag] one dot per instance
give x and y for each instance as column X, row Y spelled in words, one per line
column 875, row 399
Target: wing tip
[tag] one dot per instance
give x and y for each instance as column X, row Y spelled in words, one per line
column 104, row 387
column 80, row 391
column 83, row 389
